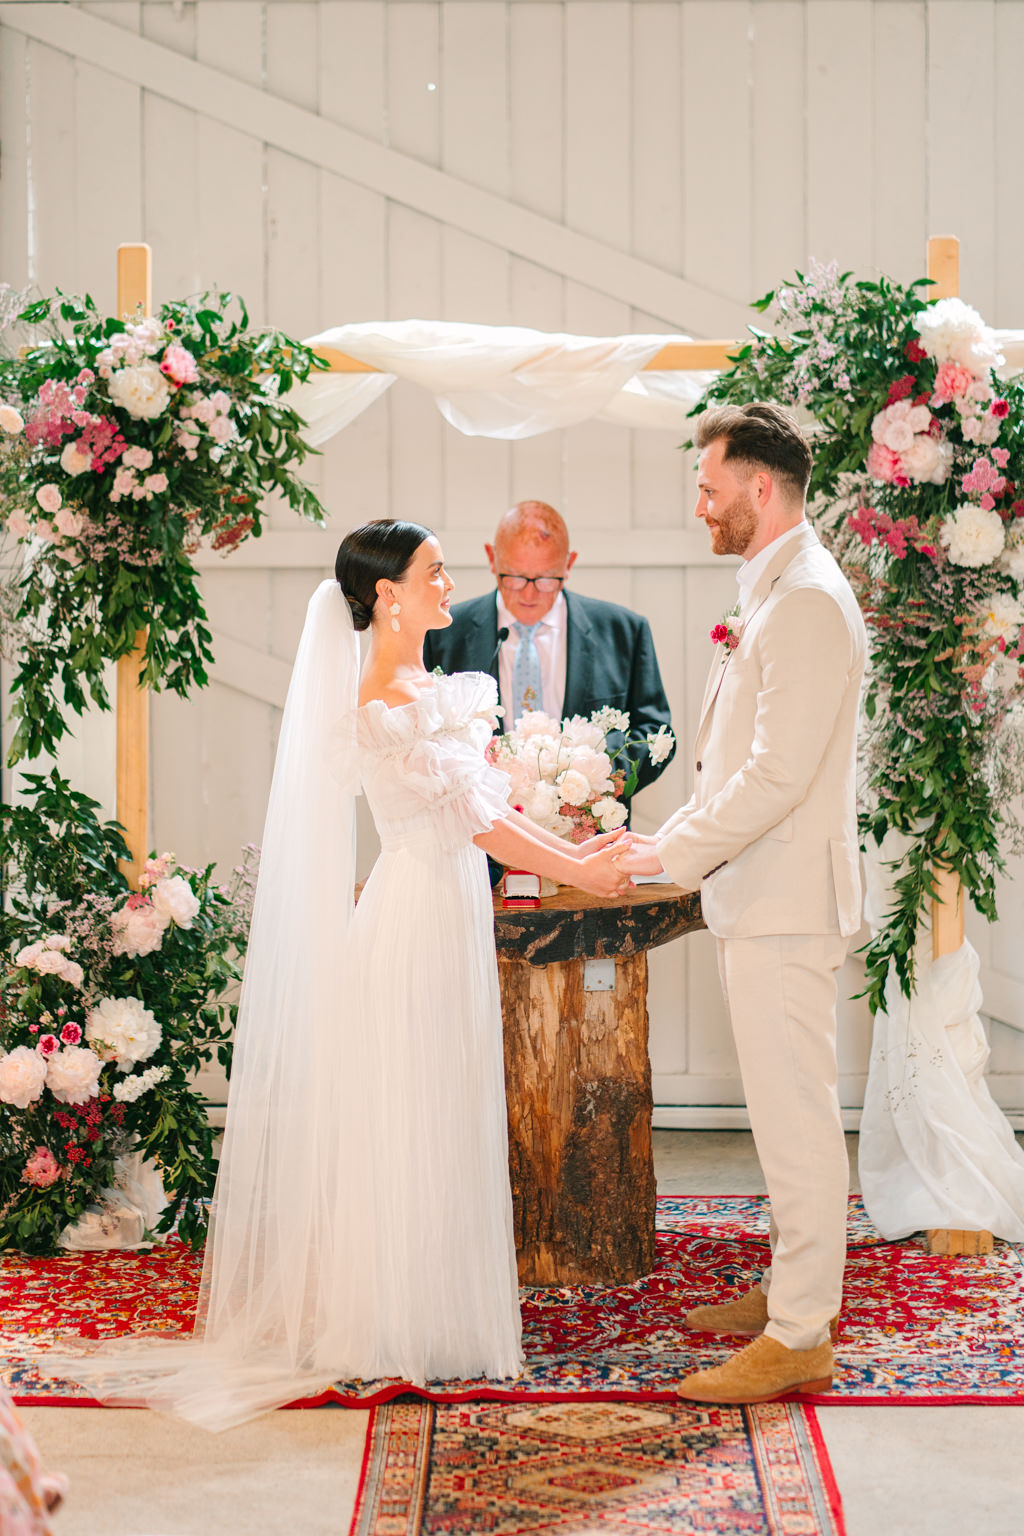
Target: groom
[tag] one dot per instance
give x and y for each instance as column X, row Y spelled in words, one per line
column 769, row 837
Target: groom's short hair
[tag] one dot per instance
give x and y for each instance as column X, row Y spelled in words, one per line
column 760, row 436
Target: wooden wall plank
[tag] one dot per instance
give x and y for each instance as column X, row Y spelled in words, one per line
column 778, row 143
column 353, row 65
column 840, row 216
column 597, row 457
column 537, row 107
column 1008, row 298
column 474, row 98
column 414, row 287
column 961, row 163
column 717, row 125
column 414, row 80
column 293, row 51
column 171, row 26
column 15, row 233
column 597, row 119
column 170, row 218
column 900, row 150
column 108, row 185
column 656, row 151
column 54, row 238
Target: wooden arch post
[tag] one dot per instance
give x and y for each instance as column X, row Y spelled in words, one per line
column 134, row 292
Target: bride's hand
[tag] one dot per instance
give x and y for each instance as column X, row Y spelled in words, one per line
column 642, row 859
column 602, row 840
column 599, row 873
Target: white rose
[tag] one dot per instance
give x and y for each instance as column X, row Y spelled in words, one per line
column 973, row 536
column 126, row 1027
column 30, row 954
column 57, row 941
column 573, row 788
column 142, row 391
column 1003, row 617
column 22, row 1075
column 11, row 420
column 138, row 930
column 72, row 462
column 50, row 963
column 175, row 901
column 609, row 812
column 72, row 973
column 73, row 1074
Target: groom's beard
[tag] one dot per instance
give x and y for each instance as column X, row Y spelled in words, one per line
column 735, row 528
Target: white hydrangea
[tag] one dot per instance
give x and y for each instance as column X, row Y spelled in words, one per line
column 125, row 1027
column 175, row 901
column 22, row 1076
column 952, row 332
column 142, row 390
column 128, row 1089
column 974, row 537
column 72, row 1075
column 1003, row 617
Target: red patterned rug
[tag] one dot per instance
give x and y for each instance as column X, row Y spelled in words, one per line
column 635, row 1469
column 914, row 1328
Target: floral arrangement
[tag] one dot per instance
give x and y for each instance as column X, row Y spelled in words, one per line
column 109, row 1002
column 126, row 445
column 918, row 489
column 569, row 778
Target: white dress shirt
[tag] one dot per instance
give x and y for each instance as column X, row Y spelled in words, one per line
column 748, row 573
column 551, row 640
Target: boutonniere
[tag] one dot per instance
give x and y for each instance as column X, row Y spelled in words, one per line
column 727, row 631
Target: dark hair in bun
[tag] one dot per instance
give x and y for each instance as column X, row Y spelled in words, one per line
column 377, row 551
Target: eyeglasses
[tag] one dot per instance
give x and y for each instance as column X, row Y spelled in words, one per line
column 542, row 583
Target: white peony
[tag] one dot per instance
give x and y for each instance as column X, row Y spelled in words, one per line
column 594, row 766
column 610, row 813
column 522, row 774
column 541, row 803
column 138, row 930
column 174, row 900
column 1004, row 617
column 22, row 1075
column 582, row 732
column 951, row 331
column 928, row 459
column 142, row 391
column 973, row 536
column 125, row 1027
column 573, row 788
column 73, row 1074
column 898, row 435
column 536, row 723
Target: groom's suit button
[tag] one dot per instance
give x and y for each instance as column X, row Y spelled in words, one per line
column 698, row 767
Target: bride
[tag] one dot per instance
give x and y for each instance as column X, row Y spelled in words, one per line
column 362, row 1222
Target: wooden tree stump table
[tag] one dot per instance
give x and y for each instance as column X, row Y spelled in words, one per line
column 578, row 1078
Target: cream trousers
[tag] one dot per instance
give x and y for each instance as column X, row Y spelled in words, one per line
column 781, row 995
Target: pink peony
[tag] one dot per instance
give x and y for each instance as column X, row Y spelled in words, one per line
column 179, row 365
column 46, row 1045
column 138, row 929
column 48, row 497
column 951, row 380
column 71, row 1034
column 883, row 464
column 42, row 1168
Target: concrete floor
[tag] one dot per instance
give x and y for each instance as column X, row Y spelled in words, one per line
column 901, row 1471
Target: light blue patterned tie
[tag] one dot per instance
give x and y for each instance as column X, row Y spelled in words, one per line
column 526, row 685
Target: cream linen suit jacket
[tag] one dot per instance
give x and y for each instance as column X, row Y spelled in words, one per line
column 770, row 835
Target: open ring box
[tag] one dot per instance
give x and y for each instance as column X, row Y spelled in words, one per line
column 519, row 888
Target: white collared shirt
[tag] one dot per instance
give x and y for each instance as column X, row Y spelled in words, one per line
column 551, row 641
column 751, row 570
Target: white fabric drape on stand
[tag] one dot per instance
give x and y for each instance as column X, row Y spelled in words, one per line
column 935, row 1148
column 499, row 380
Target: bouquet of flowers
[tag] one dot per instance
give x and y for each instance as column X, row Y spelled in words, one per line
column 570, row 778
column 109, row 1002
column 918, row 489
column 125, row 446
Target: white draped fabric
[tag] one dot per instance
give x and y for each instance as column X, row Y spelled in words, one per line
column 499, row 381
column 935, row 1148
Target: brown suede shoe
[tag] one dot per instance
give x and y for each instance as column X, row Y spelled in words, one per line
column 746, row 1316
column 761, row 1372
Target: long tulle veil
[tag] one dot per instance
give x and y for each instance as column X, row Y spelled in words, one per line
column 272, row 1253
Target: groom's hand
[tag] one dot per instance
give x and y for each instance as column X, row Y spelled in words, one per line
column 640, row 859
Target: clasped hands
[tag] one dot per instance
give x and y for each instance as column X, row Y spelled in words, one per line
column 614, row 857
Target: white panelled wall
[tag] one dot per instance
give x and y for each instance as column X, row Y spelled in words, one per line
column 595, row 166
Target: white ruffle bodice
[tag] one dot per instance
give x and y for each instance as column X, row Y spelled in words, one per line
column 423, row 767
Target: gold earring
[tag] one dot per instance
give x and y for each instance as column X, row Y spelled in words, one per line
column 394, row 611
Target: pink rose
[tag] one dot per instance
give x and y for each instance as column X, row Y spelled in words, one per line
column 72, row 973
column 71, row 1034
column 155, row 484
column 19, row 525
column 48, row 497
column 137, row 458
column 47, row 1044
column 42, row 1168
column 68, row 524
column 179, row 365
column 951, row 380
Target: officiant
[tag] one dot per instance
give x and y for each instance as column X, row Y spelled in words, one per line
column 549, row 648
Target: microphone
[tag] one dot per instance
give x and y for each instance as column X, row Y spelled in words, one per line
column 502, row 637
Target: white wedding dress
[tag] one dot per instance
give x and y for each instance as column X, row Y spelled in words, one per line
column 362, row 1221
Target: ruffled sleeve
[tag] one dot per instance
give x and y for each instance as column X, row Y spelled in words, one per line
column 428, row 759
